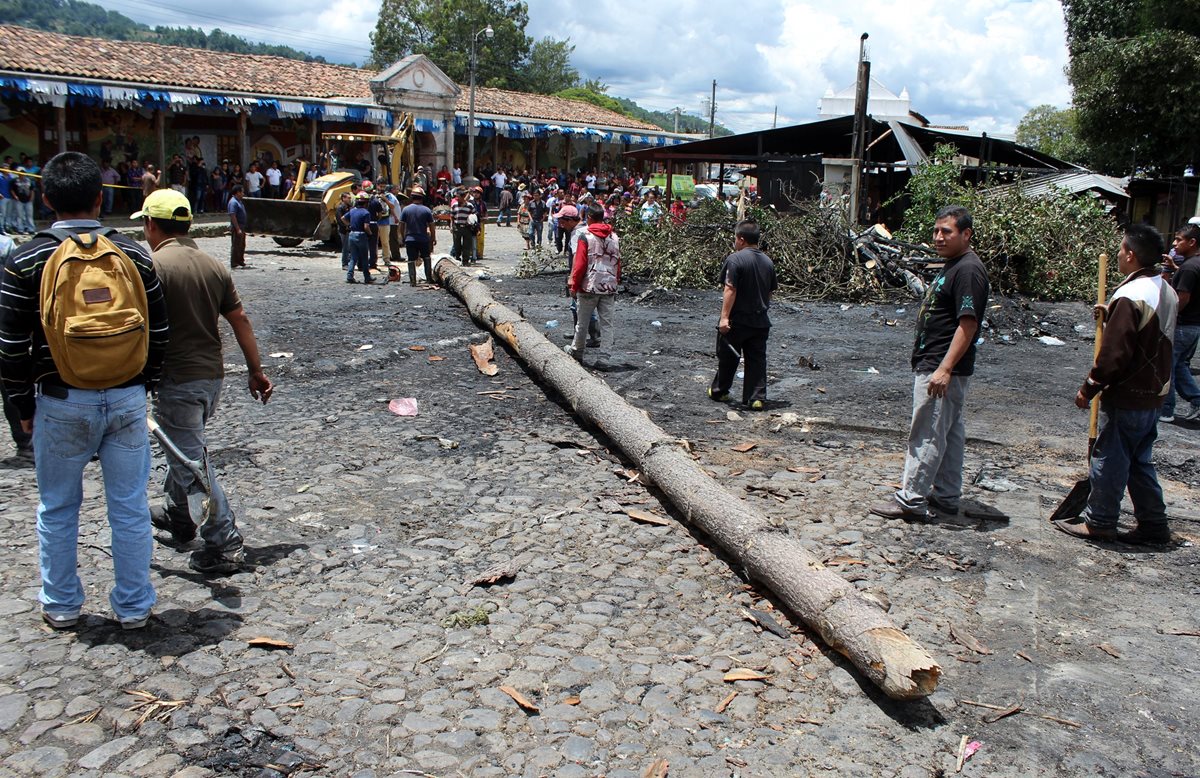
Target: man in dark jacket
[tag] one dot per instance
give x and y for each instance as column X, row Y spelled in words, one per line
column 71, row 425
column 1133, row 370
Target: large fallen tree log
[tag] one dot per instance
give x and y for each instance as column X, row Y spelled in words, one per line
column 848, row 622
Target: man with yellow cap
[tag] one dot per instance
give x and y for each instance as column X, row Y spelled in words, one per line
column 198, row 290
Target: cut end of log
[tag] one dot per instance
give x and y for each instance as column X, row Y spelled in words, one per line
column 909, row 672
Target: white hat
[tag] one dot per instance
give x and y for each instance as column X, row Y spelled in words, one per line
column 1194, row 220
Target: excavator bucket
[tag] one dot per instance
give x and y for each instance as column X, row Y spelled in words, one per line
column 284, row 218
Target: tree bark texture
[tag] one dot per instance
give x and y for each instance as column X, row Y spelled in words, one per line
column 828, row 604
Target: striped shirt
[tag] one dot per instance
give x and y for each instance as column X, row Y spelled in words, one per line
column 24, row 356
column 461, row 209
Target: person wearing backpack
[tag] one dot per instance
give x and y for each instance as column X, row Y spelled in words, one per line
column 594, row 280
column 199, row 292
column 85, row 396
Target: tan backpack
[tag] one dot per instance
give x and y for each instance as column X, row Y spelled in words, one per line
column 94, row 310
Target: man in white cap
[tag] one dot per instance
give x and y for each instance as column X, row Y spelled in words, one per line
column 198, row 290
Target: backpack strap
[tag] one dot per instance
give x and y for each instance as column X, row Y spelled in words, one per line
column 61, row 235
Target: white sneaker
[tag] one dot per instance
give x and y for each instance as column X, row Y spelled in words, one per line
column 1191, row 413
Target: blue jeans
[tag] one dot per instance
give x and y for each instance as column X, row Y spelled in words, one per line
column 504, row 214
column 359, row 256
column 537, row 232
column 183, row 409
column 1120, row 459
column 66, row 433
column 1182, row 382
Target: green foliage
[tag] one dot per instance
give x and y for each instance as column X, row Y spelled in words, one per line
column 443, row 31
column 595, row 98
column 75, row 17
column 1053, row 131
column 549, row 69
column 688, row 122
column 1134, row 65
column 1045, row 247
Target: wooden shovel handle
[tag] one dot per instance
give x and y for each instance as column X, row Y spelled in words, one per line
column 1101, row 293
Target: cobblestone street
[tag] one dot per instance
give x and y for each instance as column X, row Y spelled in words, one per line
column 355, row 644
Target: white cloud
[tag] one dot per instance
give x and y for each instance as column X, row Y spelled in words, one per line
column 983, row 63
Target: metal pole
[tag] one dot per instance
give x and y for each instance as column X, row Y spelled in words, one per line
column 471, row 114
column 775, row 118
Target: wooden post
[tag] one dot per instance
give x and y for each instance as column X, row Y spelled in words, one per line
column 160, row 136
column 496, row 149
column 244, row 139
column 532, row 162
column 567, row 154
column 831, row 606
column 314, row 153
column 60, row 126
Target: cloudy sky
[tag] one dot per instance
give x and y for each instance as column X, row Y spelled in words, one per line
column 982, row 63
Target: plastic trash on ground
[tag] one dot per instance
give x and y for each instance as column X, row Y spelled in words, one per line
column 403, row 406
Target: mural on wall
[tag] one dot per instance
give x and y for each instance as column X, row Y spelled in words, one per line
column 18, row 135
column 120, row 136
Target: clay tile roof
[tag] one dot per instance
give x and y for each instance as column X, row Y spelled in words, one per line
column 54, row 54
column 547, row 108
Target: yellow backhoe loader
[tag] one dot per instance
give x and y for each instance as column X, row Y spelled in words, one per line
column 309, row 210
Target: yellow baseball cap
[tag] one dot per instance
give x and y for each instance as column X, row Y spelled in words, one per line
column 166, row 204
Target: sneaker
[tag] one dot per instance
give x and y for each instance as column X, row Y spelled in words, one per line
column 25, row 454
column 1191, row 413
column 573, row 353
column 136, row 622
column 719, row 397
column 351, row 281
column 1167, row 418
column 212, row 562
column 593, row 343
column 60, row 620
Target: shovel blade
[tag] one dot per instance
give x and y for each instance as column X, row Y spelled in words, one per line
column 1075, row 501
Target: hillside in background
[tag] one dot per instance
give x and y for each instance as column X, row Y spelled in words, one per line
column 75, row 17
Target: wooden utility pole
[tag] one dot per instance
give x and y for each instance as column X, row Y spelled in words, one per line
column 858, row 150
column 775, row 118
column 677, row 119
column 712, row 111
column 850, row 623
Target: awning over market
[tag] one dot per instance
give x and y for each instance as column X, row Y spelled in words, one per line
column 81, row 93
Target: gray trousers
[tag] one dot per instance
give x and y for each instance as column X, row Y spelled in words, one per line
column 183, row 409
column 602, row 304
column 936, row 443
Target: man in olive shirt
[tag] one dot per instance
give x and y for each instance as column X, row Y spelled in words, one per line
column 198, row 291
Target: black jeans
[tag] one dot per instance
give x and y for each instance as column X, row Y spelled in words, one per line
column 749, row 343
column 418, row 249
column 13, row 416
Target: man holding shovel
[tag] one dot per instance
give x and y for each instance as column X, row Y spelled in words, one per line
column 198, row 290
column 1133, row 370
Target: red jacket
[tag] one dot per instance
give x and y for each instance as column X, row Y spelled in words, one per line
column 580, row 265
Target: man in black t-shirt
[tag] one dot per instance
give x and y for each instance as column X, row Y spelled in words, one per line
column 943, row 359
column 747, row 280
column 1185, row 280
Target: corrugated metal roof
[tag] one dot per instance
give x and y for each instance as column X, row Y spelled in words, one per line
column 1073, row 182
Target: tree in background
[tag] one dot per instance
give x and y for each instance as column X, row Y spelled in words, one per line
column 1135, row 69
column 1053, row 131
column 442, row 30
